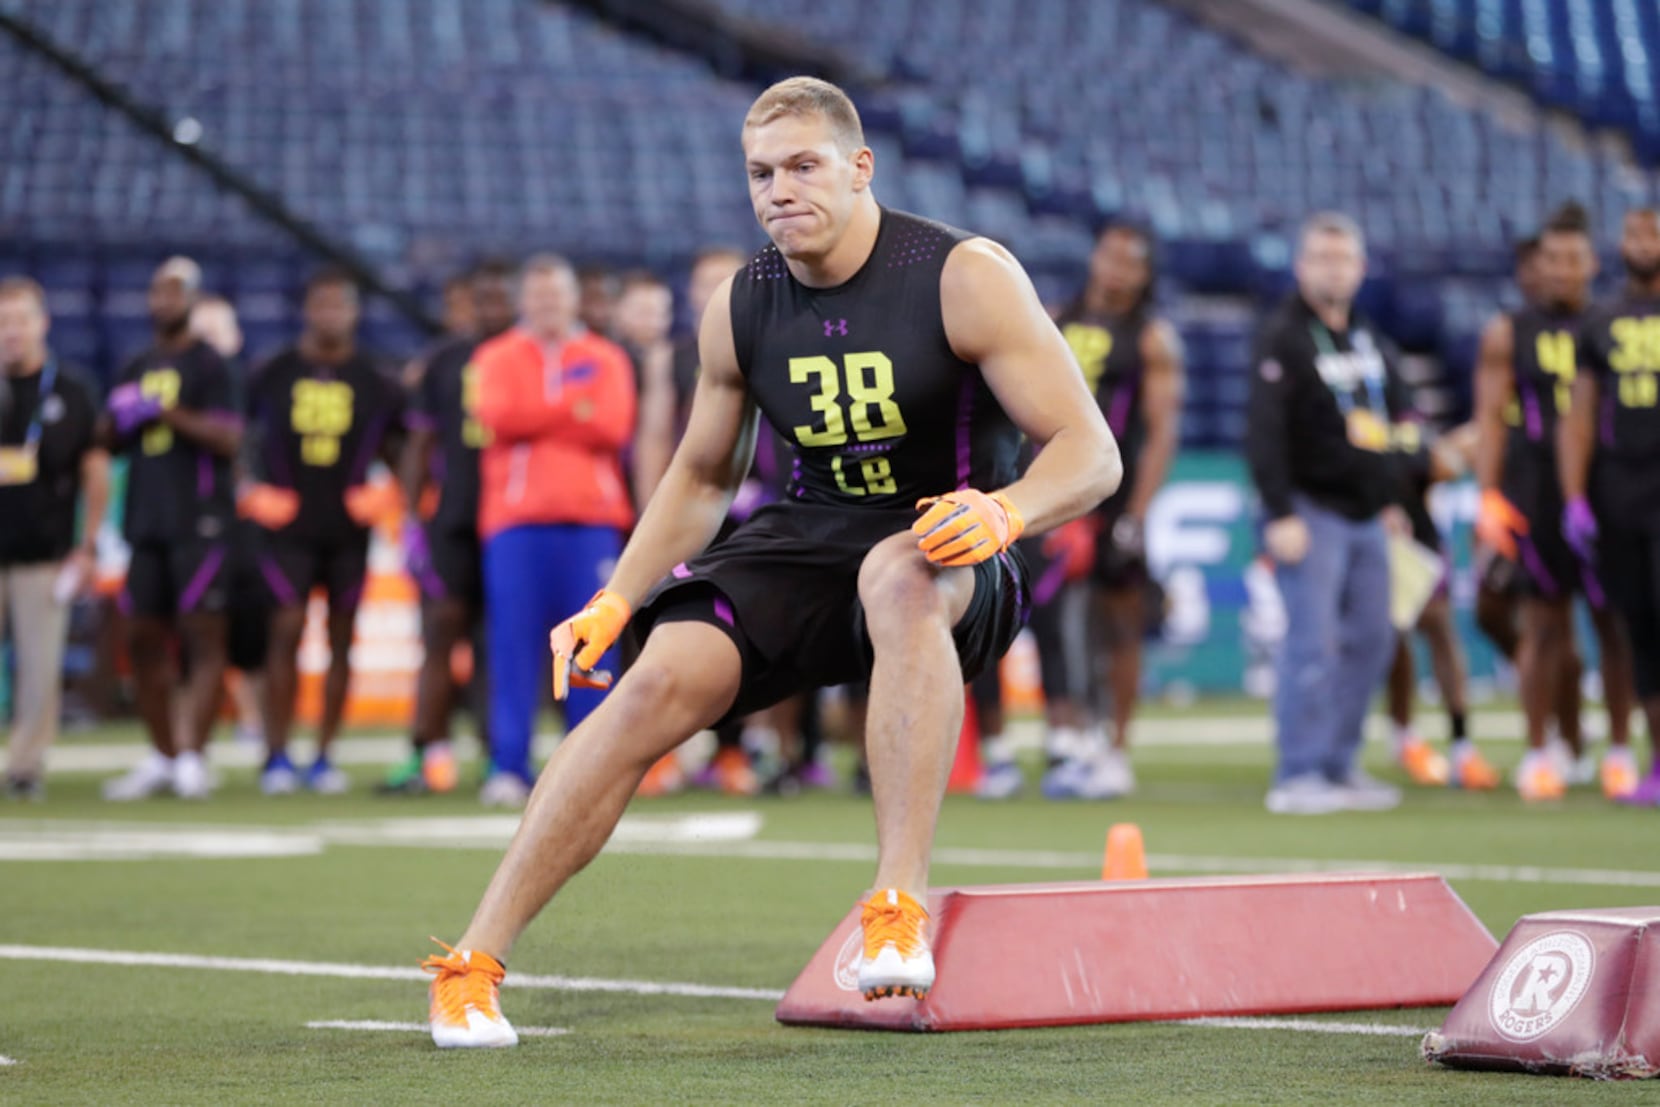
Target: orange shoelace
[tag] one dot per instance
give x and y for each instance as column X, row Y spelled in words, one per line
column 463, row 984
column 899, row 922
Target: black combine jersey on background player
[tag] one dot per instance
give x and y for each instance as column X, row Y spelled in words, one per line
column 445, row 402
column 1108, row 350
column 176, row 489
column 317, row 429
column 1620, row 343
column 879, row 410
column 1543, row 362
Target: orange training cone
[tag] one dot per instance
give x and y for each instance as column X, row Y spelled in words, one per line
column 1126, row 859
column 966, row 768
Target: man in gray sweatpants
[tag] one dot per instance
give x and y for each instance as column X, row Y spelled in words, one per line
column 47, row 464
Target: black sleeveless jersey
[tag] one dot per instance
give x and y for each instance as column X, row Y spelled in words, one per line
column 1619, row 343
column 861, row 381
column 1108, row 350
column 1544, row 362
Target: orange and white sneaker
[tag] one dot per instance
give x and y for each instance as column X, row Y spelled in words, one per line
column 1471, row 771
column 664, row 778
column 1422, row 763
column 466, row 1001
column 439, row 769
column 1538, row 779
column 897, row 960
column 1619, row 772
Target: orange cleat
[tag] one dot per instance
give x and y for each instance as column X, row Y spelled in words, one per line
column 897, row 960
column 1422, row 763
column 439, row 769
column 1619, row 773
column 1537, row 780
column 465, row 994
column 664, row 778
column 1473, row 772
column 733, row 774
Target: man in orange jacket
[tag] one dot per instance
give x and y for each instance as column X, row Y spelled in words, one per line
column 557, row 403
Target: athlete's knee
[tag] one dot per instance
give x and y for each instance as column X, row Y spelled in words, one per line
column 901, row 590
column 287, row 623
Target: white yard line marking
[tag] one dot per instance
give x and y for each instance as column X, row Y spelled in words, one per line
column 4, row 1061
column 368, row 972
column 1311, row 1026
column 422, row 1028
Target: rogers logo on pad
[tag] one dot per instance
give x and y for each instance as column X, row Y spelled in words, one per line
column 846, row 969
column 1541, row 985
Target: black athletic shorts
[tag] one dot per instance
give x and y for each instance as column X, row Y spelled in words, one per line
column 168, row 578
column 457, row 568
column 1549, row 567
column 292, row 569
column 784, row 587
column 250, row 601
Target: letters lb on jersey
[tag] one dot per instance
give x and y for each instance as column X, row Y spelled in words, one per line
column 1569, row 993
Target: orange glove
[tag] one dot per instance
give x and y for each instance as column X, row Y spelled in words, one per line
column 966, row 527
column 368, row 504
column 1073, row 545
column 271, row 507
column 580, row 641
column 1499, row 524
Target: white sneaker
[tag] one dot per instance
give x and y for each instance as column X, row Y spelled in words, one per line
column 279, row 777
column 1305, row 794
column 897, row 959
column 327, row 779
column 191, row 779
column 151, row 777
column 504, row 790
column 1362, row 792
column 1108, row 776
column 1000, row 780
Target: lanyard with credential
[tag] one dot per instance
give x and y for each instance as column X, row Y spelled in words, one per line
column 48, row 377
column 1345, row 400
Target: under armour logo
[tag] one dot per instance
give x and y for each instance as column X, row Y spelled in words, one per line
column 835, row 326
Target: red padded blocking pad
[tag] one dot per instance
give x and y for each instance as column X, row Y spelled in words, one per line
column 1568, row 992
column 1058, row 954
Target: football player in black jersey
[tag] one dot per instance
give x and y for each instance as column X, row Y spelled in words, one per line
column 1532, row 355
column 1610, row 462
column 904, row 359
column 172, row 414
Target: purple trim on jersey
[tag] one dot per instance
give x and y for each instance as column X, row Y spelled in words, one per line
column 1594, row 595
column 681, row 572
column 1048, row 586
column 205, row 572
column 124, row 601
column 965, row 428
column 204, row 476
column 281, row 587
column 724, row 611
column 420, row 421
column 351, row 599
column 795, row 477
column 1535, row 566
column 1535, row 418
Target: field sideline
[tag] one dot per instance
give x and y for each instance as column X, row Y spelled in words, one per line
column 247, row 950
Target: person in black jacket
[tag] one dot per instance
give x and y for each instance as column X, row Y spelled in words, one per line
column 1329, row 449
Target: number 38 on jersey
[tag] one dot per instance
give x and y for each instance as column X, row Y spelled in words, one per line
column 854, row 405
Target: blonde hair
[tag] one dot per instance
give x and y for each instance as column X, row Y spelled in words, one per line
column 23, row 288
column 809, row 96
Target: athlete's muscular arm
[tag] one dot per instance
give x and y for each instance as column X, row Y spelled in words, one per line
column 710, row 463
column 414, row 463
column 1163, row 383
column 1576, row 436
column 1495, row 381
column 218, row 432
column 993, row 318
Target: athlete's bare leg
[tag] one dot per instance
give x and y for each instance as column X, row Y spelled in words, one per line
column 685, row 679
column 338, row 680
column 443, row 622
column 1568, row 696
column 282, row 678
column 916, row 701
column 152, row 663
column 1120, row 615
column 1546, row 632
column 1618, row 690
column 1446, row 655
column 204, row 636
